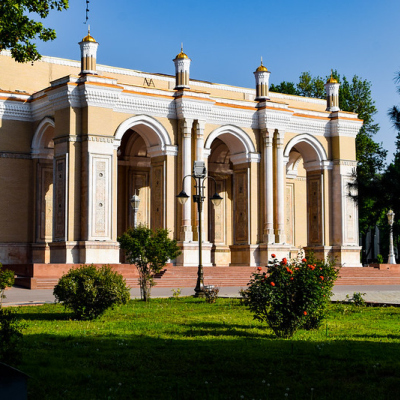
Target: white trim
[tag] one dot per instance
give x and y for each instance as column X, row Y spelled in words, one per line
column 158, row 143
column 313, row 142
column 247, row 152
column 38, row 150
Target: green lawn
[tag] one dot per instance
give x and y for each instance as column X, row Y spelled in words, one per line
column 188, row 349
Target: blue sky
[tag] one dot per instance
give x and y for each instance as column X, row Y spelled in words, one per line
column 225, row 40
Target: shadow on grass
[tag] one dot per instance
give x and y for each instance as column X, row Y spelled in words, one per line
column 89, row 365
column 59, row 316
column 226, row 329
column 375, row 336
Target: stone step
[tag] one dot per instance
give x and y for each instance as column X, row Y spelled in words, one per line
column 41, row 276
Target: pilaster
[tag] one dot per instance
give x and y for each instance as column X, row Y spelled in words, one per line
column 280, row 189
column 186, row 234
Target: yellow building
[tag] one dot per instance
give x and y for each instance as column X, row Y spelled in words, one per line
column 78, row 139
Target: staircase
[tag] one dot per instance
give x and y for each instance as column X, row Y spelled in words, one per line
column 46, row 276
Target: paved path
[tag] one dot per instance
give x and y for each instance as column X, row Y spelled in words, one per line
column 383, row 294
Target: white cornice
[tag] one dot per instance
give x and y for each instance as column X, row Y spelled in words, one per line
column 342, row 127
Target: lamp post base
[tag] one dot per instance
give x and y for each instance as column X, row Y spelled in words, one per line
column 199, row 293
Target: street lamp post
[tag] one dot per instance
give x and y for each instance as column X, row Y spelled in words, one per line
column 199, row 175
column 391, row 258
column 135, row 201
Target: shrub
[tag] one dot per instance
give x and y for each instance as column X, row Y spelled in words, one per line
column 379, row 259
column 89, row 291
column 10, row 337
column 149, row 250
column 357, row 299
column 291, row 295
column 6, row 280
column 211, row 293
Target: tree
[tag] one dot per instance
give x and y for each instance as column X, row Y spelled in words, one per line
column 391, row 178
column 284, row 87
column 149, row 250
column 17, row 29
column 355, row 96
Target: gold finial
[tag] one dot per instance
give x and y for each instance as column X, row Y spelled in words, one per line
column 261, row 68
column 332, row 79
column 88, row 38
column 182, row 54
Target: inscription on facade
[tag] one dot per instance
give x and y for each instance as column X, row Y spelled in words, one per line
column 148, row 82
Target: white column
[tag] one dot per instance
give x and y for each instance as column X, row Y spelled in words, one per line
column 186, row 229
column 269, row 236
column 280, row 183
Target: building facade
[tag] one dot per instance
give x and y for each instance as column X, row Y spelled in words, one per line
column 78, row 139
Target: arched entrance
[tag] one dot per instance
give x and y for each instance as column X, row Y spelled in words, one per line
column 305, row 202
column 231, row 155
column 43, row 154
column 143, row 149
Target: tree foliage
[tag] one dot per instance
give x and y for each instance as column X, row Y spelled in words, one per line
column 7, row 279
column 149, row 250
column 391, row 178
column 18, row 30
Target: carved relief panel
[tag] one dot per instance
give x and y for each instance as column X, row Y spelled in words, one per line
column 140, row 185
column 289, row 214
column 60, row 191
column 157, row 197
column 100, row 197
column 217, row 216
column 350, row 215
column 241, row 208
column 314, row 207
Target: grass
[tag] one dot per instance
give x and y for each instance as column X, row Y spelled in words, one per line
column 187, row 349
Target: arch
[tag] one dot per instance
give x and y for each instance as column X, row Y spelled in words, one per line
column 42, row 145
column 311, row 150
column 153, row 133
column 239, row 143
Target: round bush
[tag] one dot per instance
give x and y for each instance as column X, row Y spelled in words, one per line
column 89, row 291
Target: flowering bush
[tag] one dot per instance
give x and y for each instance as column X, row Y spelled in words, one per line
column 291, row 295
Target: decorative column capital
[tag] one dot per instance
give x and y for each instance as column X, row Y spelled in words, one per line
column 186, row 125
